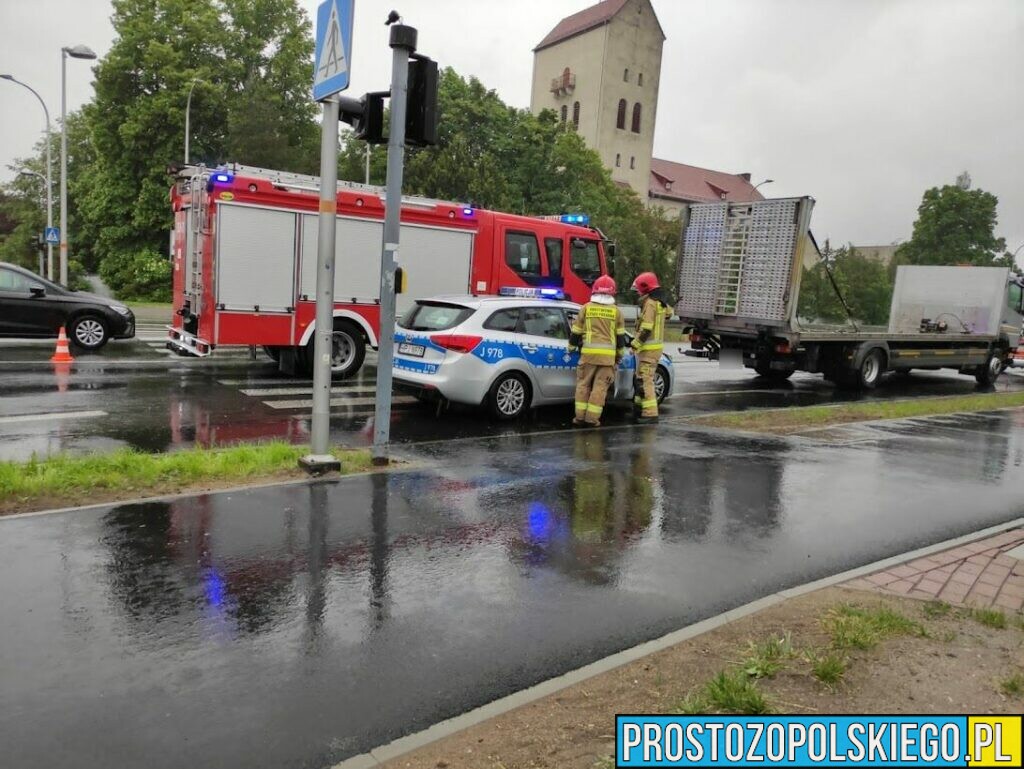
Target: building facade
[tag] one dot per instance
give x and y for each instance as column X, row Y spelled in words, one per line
column 600, row 69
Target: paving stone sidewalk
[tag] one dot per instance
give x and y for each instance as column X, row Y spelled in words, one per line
column 988, row 573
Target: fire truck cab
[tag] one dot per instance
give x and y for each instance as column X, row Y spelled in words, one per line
column 244, row 251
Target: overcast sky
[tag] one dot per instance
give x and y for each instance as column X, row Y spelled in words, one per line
column 862, row 104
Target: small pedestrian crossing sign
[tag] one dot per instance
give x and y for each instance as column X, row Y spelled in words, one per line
column 53, row 235
column 333, row 48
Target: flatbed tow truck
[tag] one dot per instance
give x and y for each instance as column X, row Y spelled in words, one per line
column 738, row 281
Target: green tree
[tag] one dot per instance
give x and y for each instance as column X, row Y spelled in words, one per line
column 955, row 225
column 865, row 284
column 249, row 62
column 268, row 54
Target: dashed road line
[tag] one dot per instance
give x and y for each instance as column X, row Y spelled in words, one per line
column 52, row 416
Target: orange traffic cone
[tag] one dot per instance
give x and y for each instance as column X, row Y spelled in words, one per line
column 63, row 354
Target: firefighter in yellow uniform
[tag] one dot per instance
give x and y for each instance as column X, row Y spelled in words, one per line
column 648, row 342
column 599, row 333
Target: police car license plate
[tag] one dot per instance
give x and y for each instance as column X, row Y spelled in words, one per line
column 416, row 350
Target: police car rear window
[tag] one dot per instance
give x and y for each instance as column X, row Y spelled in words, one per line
column 434, row 316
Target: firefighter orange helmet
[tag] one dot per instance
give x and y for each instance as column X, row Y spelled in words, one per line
column 604, row 285
column 645, row 282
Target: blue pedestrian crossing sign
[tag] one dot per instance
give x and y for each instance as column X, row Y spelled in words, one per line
column 53, row 235
column 333, row 48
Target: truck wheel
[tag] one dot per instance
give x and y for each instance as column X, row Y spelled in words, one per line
column 867, row 375
column 347, row 351
column 274, row 353
column 509, row 396
column 764, row 369
column 988, row 373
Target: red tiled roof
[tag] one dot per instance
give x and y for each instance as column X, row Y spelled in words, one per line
column 678, row 181
column 583, row 21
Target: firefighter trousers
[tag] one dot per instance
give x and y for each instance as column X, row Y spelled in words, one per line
column 592, row 383
column 645, row 399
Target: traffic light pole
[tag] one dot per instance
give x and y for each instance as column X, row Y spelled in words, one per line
column 320, row 460
column 403, row 43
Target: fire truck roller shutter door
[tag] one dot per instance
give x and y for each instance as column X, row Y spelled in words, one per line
column 255, row 258
column 357, row 259
column 435, row 261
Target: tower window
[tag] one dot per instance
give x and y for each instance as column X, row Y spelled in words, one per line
column 620, row 119
column 640, row 79
column 565, row 112
column 618, row 159
column 625, row 75
column 632, row 162
column 576, row 114
column 636, row 117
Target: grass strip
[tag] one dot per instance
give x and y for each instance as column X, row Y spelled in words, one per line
column 801, row 417
column 126, row 470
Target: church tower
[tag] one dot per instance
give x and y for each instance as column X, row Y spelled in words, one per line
column 599, row 70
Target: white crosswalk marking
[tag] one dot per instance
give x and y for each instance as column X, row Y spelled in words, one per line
column 306, row 404
column 303, row 391
column 349, row 398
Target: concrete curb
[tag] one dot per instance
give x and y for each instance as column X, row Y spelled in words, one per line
column 407, row 465
column 378, row 756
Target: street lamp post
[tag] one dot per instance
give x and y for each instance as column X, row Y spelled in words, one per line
column 49, row 170
column 188, row 113
column 75, row 52
column 1021, row 246
column 766, row 181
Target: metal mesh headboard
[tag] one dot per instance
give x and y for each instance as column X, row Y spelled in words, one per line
column 736, row 260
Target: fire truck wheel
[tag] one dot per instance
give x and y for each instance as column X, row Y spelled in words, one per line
column 347, row 351
column 274, row 353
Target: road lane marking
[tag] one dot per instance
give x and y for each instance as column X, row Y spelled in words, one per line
column 52, row 416
column 268, row 391
column 305, row 404
column 727, row 392
column 261, row 382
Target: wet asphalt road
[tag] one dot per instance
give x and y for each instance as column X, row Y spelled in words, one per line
column 134, row 395
column 296, row 626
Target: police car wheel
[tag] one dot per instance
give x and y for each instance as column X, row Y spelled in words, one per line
column 509, row 396
column 660, row 383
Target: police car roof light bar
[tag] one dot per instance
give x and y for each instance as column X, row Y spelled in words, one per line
column 531, row 293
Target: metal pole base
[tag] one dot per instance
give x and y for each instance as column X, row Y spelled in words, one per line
column 319, row 464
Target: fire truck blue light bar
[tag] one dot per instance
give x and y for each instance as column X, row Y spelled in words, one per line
column 223, row 178
column 581, row 219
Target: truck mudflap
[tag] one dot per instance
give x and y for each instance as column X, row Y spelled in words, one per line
column 183, row 343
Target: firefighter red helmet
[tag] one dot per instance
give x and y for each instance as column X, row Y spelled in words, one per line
column 604, row 285
column 645, row 282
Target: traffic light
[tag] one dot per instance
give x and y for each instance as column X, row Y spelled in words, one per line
column 421, row 108
column 366, row 116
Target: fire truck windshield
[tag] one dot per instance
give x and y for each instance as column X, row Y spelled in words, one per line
column 586, row 259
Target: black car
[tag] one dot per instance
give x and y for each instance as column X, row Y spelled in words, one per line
column 33, row 307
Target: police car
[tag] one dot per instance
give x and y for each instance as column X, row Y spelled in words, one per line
column 507, row 353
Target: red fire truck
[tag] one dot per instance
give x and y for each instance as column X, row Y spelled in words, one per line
column 244, row 253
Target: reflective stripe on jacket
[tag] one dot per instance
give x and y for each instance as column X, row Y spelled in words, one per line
column 599, row 328
column 650, row 328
